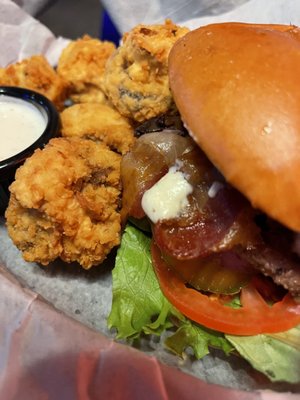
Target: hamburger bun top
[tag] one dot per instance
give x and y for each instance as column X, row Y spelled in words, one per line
column 237, row 87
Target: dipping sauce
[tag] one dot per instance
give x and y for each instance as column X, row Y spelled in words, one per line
column 21, row 124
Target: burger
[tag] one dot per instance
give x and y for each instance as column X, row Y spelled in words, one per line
column 211, row 250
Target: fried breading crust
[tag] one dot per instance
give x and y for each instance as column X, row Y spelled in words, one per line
column 98, row 122
column 82, row 65
column 36, row 73
column 136, row 75
column 65, row 203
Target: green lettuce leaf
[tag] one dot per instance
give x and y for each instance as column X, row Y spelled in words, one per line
column 139, row 307
column 277, row 355
column 192, row 335
column 138, row 303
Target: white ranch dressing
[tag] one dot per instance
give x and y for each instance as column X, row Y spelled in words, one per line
column 168, row 197
column 21, row 124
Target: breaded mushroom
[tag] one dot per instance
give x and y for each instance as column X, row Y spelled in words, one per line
column 136, row 75
column 98, row 122
column 65, row 203
column 37, row 74
column 82, row 65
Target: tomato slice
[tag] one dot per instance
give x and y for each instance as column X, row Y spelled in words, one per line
column 253, row 318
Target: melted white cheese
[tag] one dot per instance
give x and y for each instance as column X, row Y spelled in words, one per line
column 168, row 197
column 21, row 124
column 215, row 187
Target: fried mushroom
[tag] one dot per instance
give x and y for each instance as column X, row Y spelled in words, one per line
column 136, row 75
column 98, row 122
column 37, row 74
column 65, row 203
column 82, row 65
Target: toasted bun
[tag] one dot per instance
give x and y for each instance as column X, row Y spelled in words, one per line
column 237, row 87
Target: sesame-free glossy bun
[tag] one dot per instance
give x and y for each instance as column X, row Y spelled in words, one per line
column 237, row 87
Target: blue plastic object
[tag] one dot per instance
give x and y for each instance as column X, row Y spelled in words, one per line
column 108, row 30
